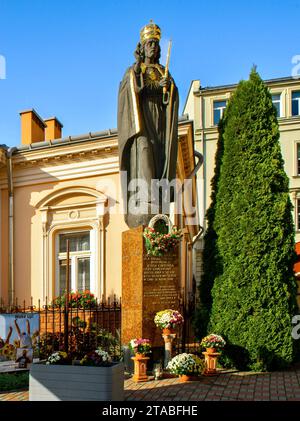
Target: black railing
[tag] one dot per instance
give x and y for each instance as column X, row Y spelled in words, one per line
column 76, row 329
column 186, row 340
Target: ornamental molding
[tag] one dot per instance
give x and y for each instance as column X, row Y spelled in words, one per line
column 66, row 153
column 48, row 199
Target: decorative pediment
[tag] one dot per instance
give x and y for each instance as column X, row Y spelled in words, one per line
column 70, row 196
column 70, row 206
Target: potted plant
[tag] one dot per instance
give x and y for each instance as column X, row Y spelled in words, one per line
column 167, row 320
column 212, row 343
column 186, row 366
column 95, row 378
column 140, row 347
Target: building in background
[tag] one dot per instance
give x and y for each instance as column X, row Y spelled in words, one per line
column 53, row 189
column 205, row 106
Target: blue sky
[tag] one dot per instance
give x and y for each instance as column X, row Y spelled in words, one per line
column 66, row 58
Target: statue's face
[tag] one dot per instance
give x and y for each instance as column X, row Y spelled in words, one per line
column 151, row 48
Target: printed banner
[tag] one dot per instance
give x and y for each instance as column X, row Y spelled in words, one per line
column 18, row 331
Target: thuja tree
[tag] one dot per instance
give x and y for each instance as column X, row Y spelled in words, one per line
column 211, row 261
column 254, row 296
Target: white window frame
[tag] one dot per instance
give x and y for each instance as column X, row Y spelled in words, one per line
column 298, row 99
column 74, row 256
column 297, row 160
column 297, row 214
column 222, row 109
column 280, row 102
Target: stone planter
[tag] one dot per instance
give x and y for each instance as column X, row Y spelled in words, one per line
column 168, row 331
column 76, row 383
column 211, row 359
column 140, row 368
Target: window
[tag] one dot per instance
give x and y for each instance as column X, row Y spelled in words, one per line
column 296, row 103
column 298, row 214
column 298, row 158
column 219, row 107
column 276, row 99
column 80, row 261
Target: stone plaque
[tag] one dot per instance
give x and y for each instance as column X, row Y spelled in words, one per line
column 160, row 290
column 149, row 284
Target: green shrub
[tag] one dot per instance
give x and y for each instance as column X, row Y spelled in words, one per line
column 254, row 289
column 14, row 381
column 211, row 262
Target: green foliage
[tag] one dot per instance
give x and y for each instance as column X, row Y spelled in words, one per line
column 14, row 381
column 157, row 243
column 254, row 289
column 81, row 341
column 211, row 263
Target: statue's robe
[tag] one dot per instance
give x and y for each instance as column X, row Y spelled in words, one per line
column 147, row 132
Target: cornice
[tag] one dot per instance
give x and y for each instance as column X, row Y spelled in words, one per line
column 271, row 83
column 284, row 123
column 95, row 157
column 65, row 154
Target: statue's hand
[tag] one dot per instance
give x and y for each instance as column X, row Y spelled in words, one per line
column 138, row 58
column 137, row 67
column 165, row 82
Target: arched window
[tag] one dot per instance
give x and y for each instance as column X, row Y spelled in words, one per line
column 75, row 214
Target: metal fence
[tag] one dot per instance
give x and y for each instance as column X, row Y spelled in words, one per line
column 75, row 328
column 79, row 329
column 186, row 340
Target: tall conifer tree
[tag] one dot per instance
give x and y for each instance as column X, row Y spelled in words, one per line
column 254, row 294
column 211, row 263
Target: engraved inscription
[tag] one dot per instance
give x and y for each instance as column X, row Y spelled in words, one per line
column 160, row 291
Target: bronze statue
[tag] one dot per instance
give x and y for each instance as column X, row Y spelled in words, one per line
column 147, row 128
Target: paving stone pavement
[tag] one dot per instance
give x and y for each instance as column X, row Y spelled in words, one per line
column 225, row 386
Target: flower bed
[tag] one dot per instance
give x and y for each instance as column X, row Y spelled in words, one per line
column 96, row 377
column 84, row 300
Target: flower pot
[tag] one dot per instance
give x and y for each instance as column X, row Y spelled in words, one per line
column 139, row 356
column 211, row 359
column 211, row 350
column 184, row 378
column 140, row 368
column 168, row 331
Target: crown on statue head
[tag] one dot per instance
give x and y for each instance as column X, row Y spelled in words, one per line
column 150, row 31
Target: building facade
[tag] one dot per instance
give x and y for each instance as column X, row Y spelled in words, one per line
column 205, row 106
column 54, row 189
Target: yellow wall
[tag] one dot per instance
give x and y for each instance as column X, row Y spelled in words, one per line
column 58, row 189
column 29, row 236
column 4, row 245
